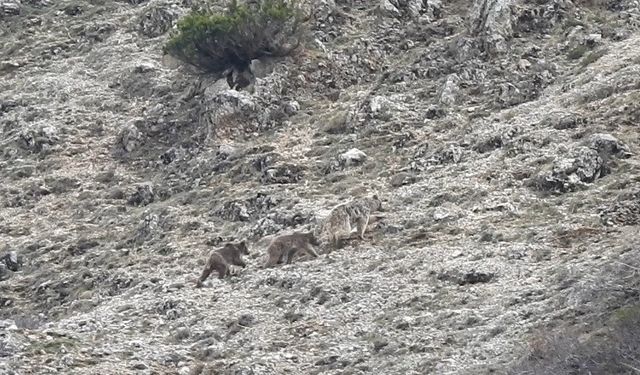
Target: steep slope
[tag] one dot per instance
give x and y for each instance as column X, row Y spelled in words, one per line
column 502, row 138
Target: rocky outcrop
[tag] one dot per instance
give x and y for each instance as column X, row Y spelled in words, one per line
column 501, row 137
column 492, row 22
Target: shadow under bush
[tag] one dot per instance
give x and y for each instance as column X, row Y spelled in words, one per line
column 214, row 42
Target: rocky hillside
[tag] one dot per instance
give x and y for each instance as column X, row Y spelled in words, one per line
column 502, row 136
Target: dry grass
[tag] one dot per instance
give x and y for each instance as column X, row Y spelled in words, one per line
column 600, row 346
column 614, row 349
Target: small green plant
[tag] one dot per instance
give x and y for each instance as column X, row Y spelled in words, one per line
column 214, row 42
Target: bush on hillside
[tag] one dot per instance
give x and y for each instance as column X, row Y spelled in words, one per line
column 214, row 42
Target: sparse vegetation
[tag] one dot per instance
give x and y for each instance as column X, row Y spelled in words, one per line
column 610, row 350
column 606, row 345
column 214, row 42
column 593, row 57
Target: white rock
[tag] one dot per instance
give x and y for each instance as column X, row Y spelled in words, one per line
column 449, row 92
column 260, row 68
column 8, row 325
column 291, row 107
column 378, row 105
column 130, row 137
column 353, row 157
column 594, row 38
column 493, row 22
column 386, row 8
column 10, row 7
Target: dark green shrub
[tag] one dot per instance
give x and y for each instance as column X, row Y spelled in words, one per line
column 214, row 42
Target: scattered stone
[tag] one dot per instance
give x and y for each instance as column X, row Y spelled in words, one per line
column 12, row 261
column 9, row 66
column 464, row 278
column 379, row 343
column 402, row 178
column 447, row 154
column 82, row 246
column 608, row 145
column 234, row 211
column 435, row 112
column 352, row 157
column 130, row 138
column 625, row 210
column 106, row 176
column 387, row 9
column 148, row 226
column 8, row 325
column 337, row 123
column 260, row 68
column 143, row 195
column 450, row 90
column 231, row 112
column 291, row 316
column 327, row 361
column 563, row 120
column 488, row 144
column 4, row 272
column 139, row 366
column 72, row 10
column 9, row 8
column 182, row 334
column 403, row 324
column 291, row 108
column 571, row 173
column 246, row 320
column 491, row 21
column 39, row 139
column 61, row 184
column 283, row 174
column 380, row 108
column 158, row 19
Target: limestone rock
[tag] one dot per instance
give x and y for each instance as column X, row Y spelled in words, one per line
column 449, row 93
column 352, row 157
column 260, row 68
column 4, row 272
column 291, row 107
column 9, row 8
column 583, row 166
column 148, row 226
column 388, row 9
column 491, row 21
column 608, row 145
column 158, row 19
column 143, row 194
column 40, row 138
column 402, row 178
column 286, row 173
column 380, row 107
column 130, row 138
